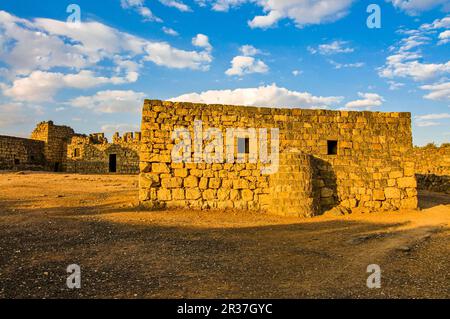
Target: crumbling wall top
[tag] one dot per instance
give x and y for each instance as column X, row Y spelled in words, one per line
column 127, row 138
column 159, row 106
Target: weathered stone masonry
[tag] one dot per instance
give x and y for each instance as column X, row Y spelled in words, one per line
column 21, row 153
column 373, row 166
column 58, row 148
column 433, row 167
column 55, row 138
column 94, row 154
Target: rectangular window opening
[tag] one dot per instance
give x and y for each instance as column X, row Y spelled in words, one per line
column 244, row 145
column 332, row 147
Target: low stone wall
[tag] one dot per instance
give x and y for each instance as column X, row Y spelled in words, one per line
column 21, row 154
column 433, row 167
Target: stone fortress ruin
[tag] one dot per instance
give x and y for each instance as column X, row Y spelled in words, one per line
column 58, row 148
column 325, row 160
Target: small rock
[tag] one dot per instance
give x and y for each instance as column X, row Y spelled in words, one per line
column 404, row 248
column 337, row 211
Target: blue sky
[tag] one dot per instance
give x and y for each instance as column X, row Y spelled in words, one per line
column 94, row 75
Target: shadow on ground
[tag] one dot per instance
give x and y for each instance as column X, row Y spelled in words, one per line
column 293, row 260
column 429, row 199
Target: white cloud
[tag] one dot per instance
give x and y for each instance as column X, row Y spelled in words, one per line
column 434, row 116
column 138, row 6
column 444, row 37
column 176, row 4
column 413, row 41
column 367, row 102
column 334, row 47
column 202, row 41
column 247, row 63
column 395, row 85
column 437, row 24
column 223, row 5
column 414, row 7
column 111, row 101
column 46, row 45
column 27, row 47
column 200, row 3
column 163, row 54
column 338, row 65
column 439, row 91
column 84, row 46
column 270, row 95
column 407, row 61
column 249, row 50
column 170, row 31
column 14, row 114
column 430, row 119
column 407, row 65
column 427, row 123
column 310, row 12
column 302, row 12
column 296, row 72
column 242, row 65
column 41, row 86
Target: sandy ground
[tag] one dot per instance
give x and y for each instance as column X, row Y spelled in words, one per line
column 48, row 221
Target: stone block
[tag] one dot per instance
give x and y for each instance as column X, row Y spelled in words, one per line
column 392, row 193
column 191, row 182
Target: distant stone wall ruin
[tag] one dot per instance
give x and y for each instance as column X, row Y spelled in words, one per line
column 55, row 138
column 21, row 153
column 433, row 167
column 93, row 154
column 58, row 148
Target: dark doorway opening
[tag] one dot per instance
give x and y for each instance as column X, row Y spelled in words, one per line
column 112, row 163
column 56, row 167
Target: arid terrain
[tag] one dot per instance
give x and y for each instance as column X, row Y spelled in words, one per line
column 49, row 221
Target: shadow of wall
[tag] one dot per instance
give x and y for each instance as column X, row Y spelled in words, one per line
column 434, row 183
column 324, row 185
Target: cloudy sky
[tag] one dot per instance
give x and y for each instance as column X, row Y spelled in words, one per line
column 94, row 75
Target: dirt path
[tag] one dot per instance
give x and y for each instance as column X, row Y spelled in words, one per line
column 48, row 221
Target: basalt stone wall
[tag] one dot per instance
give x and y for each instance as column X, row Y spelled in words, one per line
column 92, row 155
column 433, row 167
column 288, row 196
column 358, row 159
column 56, row 138
column 59, row 148
column 21, row 154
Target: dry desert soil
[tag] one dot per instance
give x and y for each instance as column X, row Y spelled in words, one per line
column 49, row 221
